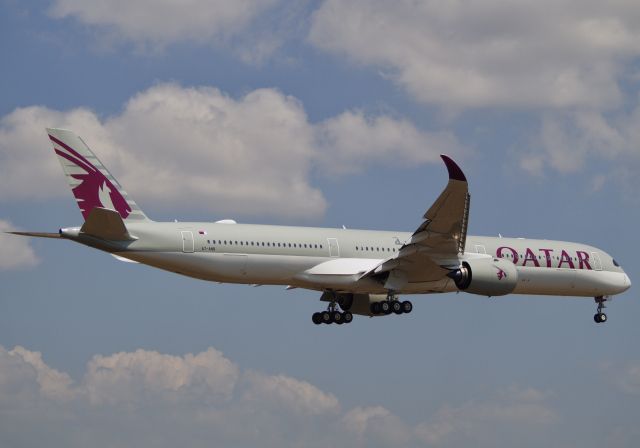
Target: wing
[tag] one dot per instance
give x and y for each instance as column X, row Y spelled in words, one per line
column 440, row 237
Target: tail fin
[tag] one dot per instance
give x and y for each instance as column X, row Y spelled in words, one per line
column 91, row 183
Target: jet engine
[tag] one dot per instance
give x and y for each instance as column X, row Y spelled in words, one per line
column 486, row 276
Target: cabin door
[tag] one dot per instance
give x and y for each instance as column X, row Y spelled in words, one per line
column 334, row 249
column 187, row 241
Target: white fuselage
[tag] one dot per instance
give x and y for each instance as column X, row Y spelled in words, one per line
column 335, row 259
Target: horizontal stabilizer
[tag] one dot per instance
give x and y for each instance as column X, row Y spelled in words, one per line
column 106, row 224
column 126, row 260
column 37, row 234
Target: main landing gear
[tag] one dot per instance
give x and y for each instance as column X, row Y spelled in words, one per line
column 391, row 305
column 600, row 317
column 332, row 316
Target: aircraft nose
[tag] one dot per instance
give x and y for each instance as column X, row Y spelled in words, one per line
column 627, row 282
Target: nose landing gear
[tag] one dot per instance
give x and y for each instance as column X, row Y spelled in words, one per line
column 600, row 317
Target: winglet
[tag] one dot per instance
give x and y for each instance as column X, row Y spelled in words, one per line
column 455, row 173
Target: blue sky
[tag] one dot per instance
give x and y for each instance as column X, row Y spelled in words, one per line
column 323, row 113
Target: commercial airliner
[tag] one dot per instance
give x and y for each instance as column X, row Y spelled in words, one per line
column 359, row 272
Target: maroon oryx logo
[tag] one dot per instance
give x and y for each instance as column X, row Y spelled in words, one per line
column 94, row 189
column 501, row 274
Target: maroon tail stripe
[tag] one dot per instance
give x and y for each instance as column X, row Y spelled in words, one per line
column 72, row 151
column 88, row 169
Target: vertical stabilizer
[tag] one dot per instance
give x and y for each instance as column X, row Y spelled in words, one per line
column 92, row 184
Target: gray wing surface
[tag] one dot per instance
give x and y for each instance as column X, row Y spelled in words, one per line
column 441, row 236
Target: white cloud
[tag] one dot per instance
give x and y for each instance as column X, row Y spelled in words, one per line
column 146, row 398
column 16, row 253
column 159, row 22
column 523, row 410
column 568, row 140
column 199, row 148
column 352, row 141
column 377, row 426
column 551, row 54
column 289, row 393
column 124, row 377
column 19, row 365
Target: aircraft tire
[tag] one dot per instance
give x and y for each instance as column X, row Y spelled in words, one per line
column 338, row 317
column 347, row 317
column 385, row 307
column 317, row 318
column 327, row 318
column 600, row 318
column 375, row 308
column 396, row 307
column 407, row 307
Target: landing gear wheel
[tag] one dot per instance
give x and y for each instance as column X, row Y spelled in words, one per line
column 396, row 307
column 407, row 307
column 347, row 317
column 375, row 308
column 327, row 318
column 338, row 317
column 385, row 307
column 317, row 318
column 600, row 318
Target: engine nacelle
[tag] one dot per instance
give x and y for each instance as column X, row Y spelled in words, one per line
column 486, row 276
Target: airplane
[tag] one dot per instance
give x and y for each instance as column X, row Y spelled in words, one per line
column 360, row 272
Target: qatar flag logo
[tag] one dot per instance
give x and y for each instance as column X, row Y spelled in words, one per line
column 501, row 274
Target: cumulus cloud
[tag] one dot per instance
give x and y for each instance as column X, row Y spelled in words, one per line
column 568, row 140
column 148, row 398
column 474, row 422
column 20, row 368
column 125, row 377
column 165, row 21
column 352, row 141
column 198, row 147
column 551, row 54
column 288, row 393
column 16, row 253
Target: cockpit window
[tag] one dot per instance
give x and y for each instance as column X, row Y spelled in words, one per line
column 615, row 263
